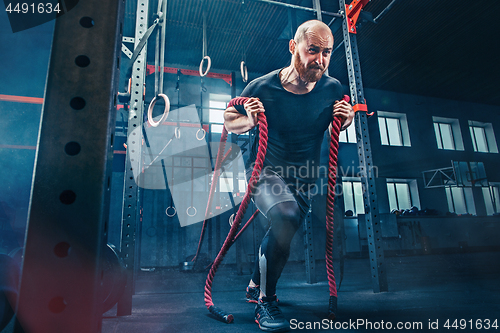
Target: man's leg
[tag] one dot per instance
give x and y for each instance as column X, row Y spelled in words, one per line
column 269, row 191
column 274, row 251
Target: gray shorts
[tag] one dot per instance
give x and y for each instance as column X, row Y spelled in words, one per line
column 272, row 189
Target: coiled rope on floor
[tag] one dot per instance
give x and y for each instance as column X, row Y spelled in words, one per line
column 232, row 235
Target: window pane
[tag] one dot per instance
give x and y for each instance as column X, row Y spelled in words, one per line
column 403, row 195
column 391, row 192
column 226, row 184
column 216, row 116
column 450, row 199
column 469, row 201
column 343, row 136
column 216, row 128
column 351, row 133
column 488, row 200
column 348, row 196
column 471, row 129
column 217, row 104
column 358, row 198
column 383, row 131
column 459, row 200
column 482, row 146
column 394, row 132
column 438, row 135
column 447, row 136
column 242, row 184
column 496, row 196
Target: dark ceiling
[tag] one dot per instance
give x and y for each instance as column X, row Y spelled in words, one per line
column 440, row 48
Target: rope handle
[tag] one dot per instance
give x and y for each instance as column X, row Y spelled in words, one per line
column 332, row 308
column 221, row 315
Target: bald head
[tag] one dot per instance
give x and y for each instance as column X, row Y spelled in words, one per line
column 311, row 49
column 311, row 27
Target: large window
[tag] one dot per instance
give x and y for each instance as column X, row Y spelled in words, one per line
column 460, row 200
column 448, row 134
column 217, row 105
column 483, row 137
column 393, row 129
column 402, row 193
column 353, row 195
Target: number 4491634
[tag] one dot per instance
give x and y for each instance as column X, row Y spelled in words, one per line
column 471, row 324
column 40, row 8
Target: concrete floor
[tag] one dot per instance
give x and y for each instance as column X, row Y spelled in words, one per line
column 422, row 289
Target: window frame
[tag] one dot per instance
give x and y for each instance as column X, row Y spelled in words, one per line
column 352, row 181
column 488, row 133
column 467, row 196
column 402, row 128
column 412, row 192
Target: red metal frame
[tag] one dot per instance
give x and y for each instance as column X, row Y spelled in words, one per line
column 21, row 99
column 352, row 11
column 150, row 69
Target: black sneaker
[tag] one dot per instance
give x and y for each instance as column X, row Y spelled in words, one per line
column 269, row 317
column 253, row 294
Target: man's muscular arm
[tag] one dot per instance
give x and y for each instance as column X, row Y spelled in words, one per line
column 238, row 123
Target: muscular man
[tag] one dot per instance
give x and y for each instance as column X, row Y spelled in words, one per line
column 300, row 103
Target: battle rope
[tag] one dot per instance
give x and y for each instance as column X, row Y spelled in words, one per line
column 221, row 315
column 332, row 180
column 232, row 236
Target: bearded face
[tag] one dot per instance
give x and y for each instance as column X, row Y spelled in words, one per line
column 311, row 72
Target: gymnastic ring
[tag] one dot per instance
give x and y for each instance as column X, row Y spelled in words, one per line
column 165, row 113
column 231, row 220
column 177, row 132
column 244, row 71
column 204, row 133
column 209, row 63
column 195, row 211
column 168, row 214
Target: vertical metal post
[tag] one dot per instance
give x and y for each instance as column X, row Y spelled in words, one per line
column 60, row 287
column 130, row 213
column 375, row 245
column 317, row 7
column 309, row 249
